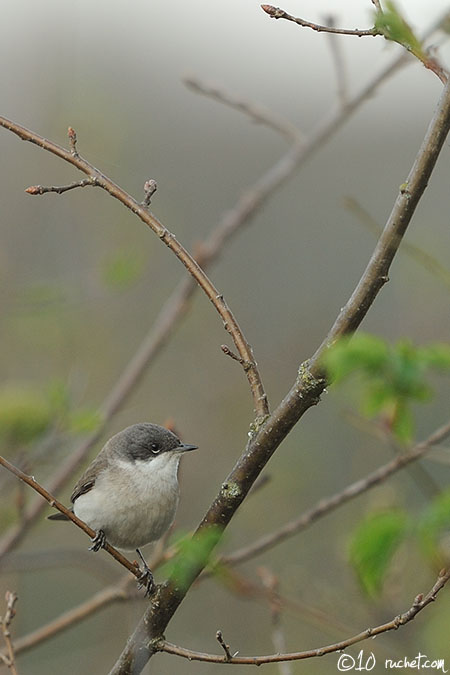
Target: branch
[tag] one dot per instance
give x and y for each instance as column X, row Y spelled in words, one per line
column 5, row 622
column 256, row 112
column 42, row 190
column 29, row 480
column 175, row 307
column 217, row 299
column 329, row 504
column 277, row 13
column 418, row 605
column 305, row 393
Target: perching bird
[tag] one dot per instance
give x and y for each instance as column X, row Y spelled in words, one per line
column 129, row 493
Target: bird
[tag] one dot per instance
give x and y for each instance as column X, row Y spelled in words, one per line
column 129, row 493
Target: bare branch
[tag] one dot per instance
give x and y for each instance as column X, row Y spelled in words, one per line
column 256, row 112
column 42, row 190
column 29, row 480
column 5, row 622
column 418, row 605
column 277, row 13
column 216, row 298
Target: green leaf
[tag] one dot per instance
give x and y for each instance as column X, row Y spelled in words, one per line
column 434, row 521
column 24, row 415
column 373, row 545
column 360, row 352
column 193, row 553
column 123, row 269
column 394, row 27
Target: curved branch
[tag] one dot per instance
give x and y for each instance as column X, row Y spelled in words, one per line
column 420, row 602
column 101, row 180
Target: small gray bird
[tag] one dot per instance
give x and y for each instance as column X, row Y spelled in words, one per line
column 129, row 494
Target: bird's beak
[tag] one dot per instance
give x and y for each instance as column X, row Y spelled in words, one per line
column 184, row 447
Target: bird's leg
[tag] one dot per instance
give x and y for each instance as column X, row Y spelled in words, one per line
column 98, row 541
column 146, row 577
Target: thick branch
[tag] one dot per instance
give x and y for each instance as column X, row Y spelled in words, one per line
column 305, row 392
column 418, row 605
column 217, row 299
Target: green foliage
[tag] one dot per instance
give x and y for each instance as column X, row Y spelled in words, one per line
column 391, row 376
column 393, row 26
column 122, row 269
column 373, row 545
column 25, row 415
column 84, row 420
column 434, row 521
column 193, row 552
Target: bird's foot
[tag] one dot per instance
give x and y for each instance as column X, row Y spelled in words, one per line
column 146, row 576
column 98, row 541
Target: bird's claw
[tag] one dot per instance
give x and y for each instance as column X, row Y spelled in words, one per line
column 145, row 579
column 98, row 541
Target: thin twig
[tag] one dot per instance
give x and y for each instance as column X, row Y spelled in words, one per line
column 418, row 605
column 230, row 324
column 42, row 189
column 329, row 504
column 428, row 261
column 5, row 622
column 29, row 480
column 256, row 112
column 277, row 13
column 339, row 64
column 225, row 647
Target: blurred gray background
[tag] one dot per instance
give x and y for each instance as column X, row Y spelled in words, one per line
column 114, row 71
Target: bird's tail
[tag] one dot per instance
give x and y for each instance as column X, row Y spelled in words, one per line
column 57, row 516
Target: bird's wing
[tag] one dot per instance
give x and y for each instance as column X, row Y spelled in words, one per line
column 86, row 482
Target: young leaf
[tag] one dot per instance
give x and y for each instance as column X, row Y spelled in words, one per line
column 193, row 552
column 394, row 27
column 373, row 545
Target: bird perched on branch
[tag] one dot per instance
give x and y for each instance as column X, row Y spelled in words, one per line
column 129, row 493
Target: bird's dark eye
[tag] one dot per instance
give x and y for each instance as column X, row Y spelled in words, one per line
column 155, row 448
